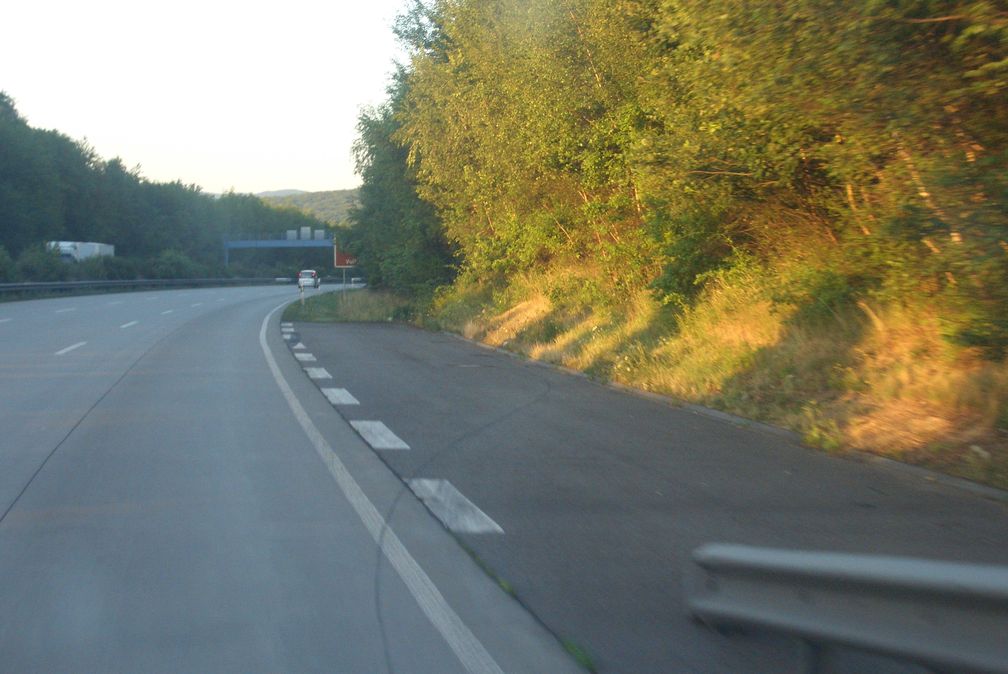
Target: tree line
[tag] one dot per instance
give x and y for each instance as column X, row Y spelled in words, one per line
column 55, row 188
column 662, row 143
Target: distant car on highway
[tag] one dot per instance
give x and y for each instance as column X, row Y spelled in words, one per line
column 308, row 277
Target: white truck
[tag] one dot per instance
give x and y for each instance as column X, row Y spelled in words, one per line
column 81, row 250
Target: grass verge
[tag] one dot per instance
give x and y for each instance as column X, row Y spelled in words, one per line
column 365, row 306
column 872, row 378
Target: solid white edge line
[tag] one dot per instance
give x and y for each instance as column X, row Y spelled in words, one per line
column 467, row 648
column 70, row 348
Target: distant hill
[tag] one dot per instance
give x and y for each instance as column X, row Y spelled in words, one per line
column 331, row 206
column 280, row 193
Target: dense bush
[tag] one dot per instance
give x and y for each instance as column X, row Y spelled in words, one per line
column 660, row 141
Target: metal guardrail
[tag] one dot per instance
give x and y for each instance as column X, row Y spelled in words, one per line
column 948, row 616
column 71, row 286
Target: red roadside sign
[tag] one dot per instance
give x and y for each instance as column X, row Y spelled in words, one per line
column 342, row 259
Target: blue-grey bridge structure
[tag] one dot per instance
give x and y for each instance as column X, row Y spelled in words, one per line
column 269, row 241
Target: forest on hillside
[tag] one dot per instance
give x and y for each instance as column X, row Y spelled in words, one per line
column 331, row 206
column 836, row 168
column 55, row 188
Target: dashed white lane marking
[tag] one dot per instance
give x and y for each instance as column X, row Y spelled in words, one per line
column 221, row 299
column 339, row 396
column 286, row 325
column 129, row 325
column 454, row 510
column 299, row 345
column 112, row 304
column 70, row 348
column 378, row 435
column 167, row 311
column 318, row 373
column 4, row 320
column 288, row 336
column 198, row 304
column 467, row 648
column 287, row 330
column 63, row 311
column 305, row 357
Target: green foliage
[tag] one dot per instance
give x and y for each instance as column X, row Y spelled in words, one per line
column 659, row 141
column 176, row 264
column 332, row 207
column 40, row 264
column 6, row 266
column 54, row 188
column 397, row 237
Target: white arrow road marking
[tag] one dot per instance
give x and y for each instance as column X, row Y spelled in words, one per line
column 129, row 325
column 378, row 435
column 305, row 357
column 467, row 648
column 70, row 348
column 339, row 396
column 454, row 510
column 318, row 373
column 299, row 345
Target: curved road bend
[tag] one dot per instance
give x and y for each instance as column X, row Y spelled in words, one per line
column 164, row 507
column 601, row 496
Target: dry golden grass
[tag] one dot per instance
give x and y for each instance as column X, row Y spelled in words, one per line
column 877, row 379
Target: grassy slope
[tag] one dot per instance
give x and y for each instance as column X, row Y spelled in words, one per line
column 871, row 378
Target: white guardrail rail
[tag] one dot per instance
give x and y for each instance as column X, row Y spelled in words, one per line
column 946, row 616
column 42, row 287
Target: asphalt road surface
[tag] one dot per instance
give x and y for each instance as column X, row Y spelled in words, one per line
column 588, row 501
column 176, row 495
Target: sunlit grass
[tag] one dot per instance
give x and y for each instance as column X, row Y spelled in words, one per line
column 350, row 306
column 874, row 378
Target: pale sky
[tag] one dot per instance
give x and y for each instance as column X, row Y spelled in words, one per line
column 223, row 94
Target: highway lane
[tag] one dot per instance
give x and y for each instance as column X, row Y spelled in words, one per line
column 601, row 495
column 168, row 511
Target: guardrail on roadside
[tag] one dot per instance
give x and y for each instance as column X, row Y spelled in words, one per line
column 943, row 615
column 71, row 286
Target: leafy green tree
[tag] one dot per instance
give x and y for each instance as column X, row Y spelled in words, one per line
column 397, row 237
column 6, row 266
column 37, row 263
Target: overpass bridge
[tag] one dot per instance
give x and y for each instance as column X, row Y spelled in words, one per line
column 292, row 238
